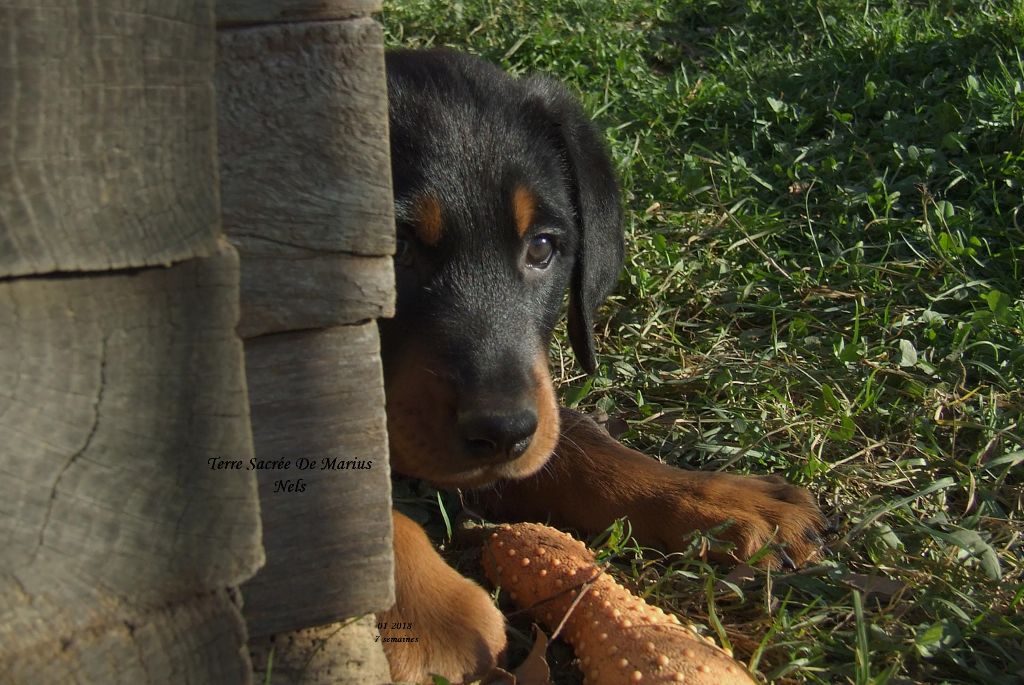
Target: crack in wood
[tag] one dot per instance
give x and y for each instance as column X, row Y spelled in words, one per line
column 78, row 453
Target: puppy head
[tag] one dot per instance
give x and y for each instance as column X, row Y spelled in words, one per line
column 504, row 198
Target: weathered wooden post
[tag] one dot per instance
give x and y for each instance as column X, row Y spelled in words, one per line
column 121, row 374
column 306, row 194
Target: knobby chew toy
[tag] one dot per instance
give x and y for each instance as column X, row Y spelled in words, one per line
column 618, row 638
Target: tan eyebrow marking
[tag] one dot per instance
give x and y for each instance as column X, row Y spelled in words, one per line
column 428, row 220
column 524, row 207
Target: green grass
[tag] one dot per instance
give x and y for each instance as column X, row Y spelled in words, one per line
column 826, row 250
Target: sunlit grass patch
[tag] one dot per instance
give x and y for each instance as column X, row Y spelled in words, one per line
column 825, row 217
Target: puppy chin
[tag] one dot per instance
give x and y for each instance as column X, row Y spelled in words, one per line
column 466, row 480
column 482, row 476
column 525, row 466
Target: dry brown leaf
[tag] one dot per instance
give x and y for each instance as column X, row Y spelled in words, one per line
column 874, row 585
column 534, row 669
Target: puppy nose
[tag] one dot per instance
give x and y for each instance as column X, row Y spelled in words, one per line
column 503, row 435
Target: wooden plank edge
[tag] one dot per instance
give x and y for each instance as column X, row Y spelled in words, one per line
column 240, row 13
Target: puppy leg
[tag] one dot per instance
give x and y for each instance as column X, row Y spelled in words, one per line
column 591, row 480
column 442, row 623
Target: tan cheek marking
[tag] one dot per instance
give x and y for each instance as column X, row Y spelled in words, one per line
column 546, row 437
column 524, row 207
column 417, row 402
column 428, row 220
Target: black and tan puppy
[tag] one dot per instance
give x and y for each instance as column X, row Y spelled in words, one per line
column 505, row 198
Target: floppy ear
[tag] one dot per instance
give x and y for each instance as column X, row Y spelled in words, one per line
column 595, row 194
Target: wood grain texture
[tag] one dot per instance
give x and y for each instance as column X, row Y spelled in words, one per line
column 305, row 171
column 336, row 654
column 116, row 389
column 233, row 12
column 319, row 395
column 96, row 638
column 107, row 144
column 289, row 292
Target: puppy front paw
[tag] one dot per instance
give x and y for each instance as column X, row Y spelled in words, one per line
column 442, row 623
column 748, row 511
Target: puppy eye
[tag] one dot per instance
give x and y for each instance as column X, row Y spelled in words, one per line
column 540, row 251
column 403, row 252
